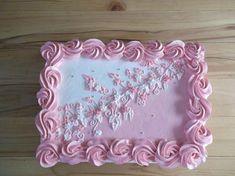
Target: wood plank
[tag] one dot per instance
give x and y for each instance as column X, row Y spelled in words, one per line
column 127, row 5
column 27, row 166
column 170, row 24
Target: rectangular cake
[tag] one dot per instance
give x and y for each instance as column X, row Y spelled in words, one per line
column 134, row 102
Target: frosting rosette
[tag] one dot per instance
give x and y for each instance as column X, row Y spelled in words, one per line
column 134, row 51
column 46, row 98
column 167, row 154
column 197, row 133
column 93, row 49
column 72, row 152
column 143, row 152
column 199, row 86
column 114, row 49
column 174, row 50
column 194, row 51
column 50, row 77
column 153, row 51
column 52, row 52
column 120, row 151
column 192, row 155
column 46, row 123
column 73, row 47
column 47, row 154
column 197, row 67
column 199, row 109
column 96, row 153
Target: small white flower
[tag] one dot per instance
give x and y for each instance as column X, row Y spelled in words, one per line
column 98, row 133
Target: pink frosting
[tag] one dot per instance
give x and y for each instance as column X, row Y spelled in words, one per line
column 52, row 52
column 144, row 152
column 199, row 109
column 194, row 51
column 153, row 50
column 199, row 86
column 197, row 67
column 114, row 49
column 72, row 152
column 50, row 77
column 96, row 152
column 47, row 154
column 167, row 154
column 93, row 49
column 134, row 51
column 174, row 50
column 73, row 47
column 120, row 151
column 197, row 133
column 46, row 123
column 46, row 98
column 192, row 155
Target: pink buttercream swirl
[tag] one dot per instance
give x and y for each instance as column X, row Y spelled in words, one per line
column 167, row 154
column 120, row 151
column 46, row 123
column 153, row 50
column 47, row 154
column 114, row 49
column 96, row 153
column 134, row 51
column 46, row 98
column 73, row 47
column 174, row 50
column 194, row 51
column 197, row 66
column 50, row 77
column 192, row 155
column 72, row 152
column 143, row 152
column 199, row 109
column 93, row 48
column 197, row 133
column 199, row 86
column 52, row 52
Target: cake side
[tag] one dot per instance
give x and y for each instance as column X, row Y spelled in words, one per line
column 164, row 152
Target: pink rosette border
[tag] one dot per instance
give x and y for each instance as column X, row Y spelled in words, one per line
column 189, row 154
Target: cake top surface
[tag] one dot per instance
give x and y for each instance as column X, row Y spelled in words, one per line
column 143, row 102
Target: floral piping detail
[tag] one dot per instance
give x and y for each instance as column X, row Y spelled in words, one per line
column 114, row 104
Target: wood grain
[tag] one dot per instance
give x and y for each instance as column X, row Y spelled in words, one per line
column 26, row 25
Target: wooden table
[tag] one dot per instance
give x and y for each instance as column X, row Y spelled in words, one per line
column 26, row 25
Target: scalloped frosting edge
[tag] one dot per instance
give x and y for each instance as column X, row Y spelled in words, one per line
column 163, row 152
